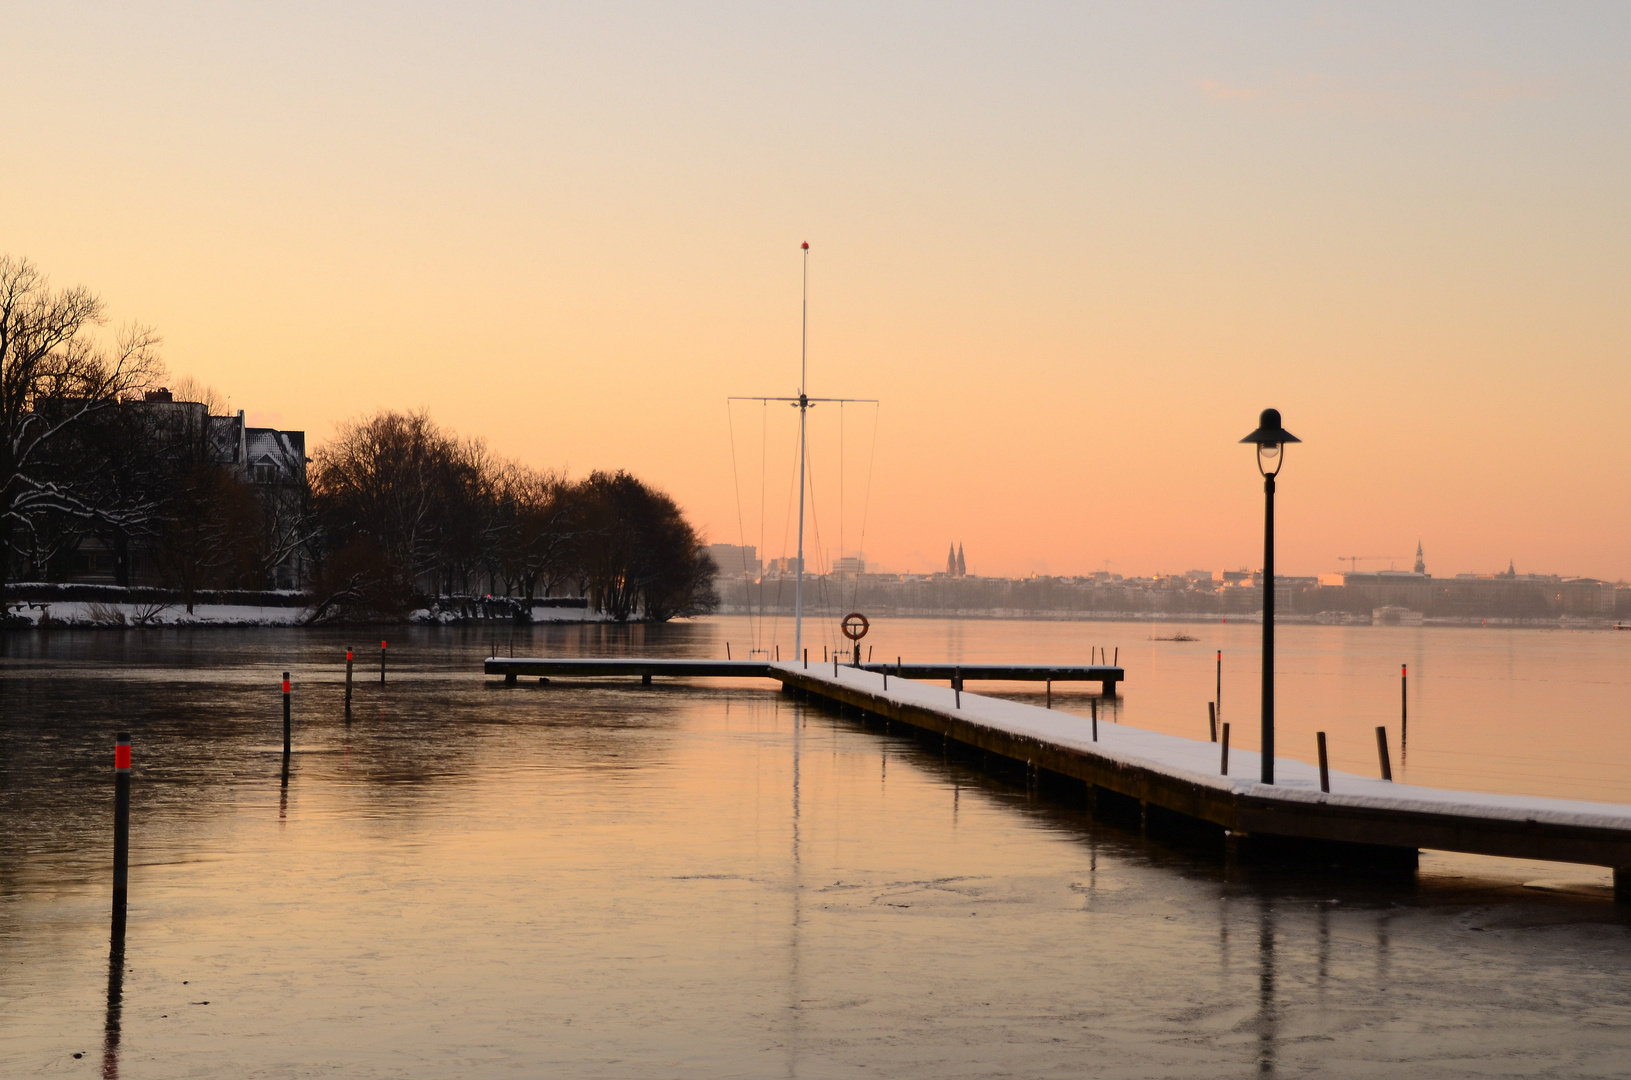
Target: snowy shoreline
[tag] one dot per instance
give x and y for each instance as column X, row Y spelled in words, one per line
column 113, row 615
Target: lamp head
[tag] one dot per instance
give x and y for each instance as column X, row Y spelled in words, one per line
column 1270, row 439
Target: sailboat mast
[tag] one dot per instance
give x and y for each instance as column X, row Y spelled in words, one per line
column 804, row 408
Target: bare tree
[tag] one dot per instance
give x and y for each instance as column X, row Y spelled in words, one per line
column 537, row 519
column 381, row 478
column 53, row 376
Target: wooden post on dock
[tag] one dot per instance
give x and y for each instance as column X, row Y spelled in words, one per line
column 121, row 833
column 1381, row 753
column 1212, row 719
column 382, row 662
column 1404, row 707
column 1095, row 704
column 1050, row 693
column 806, row 659
column 285, row 714
column 727, row 650
column 1225, row 749
column 349, row 656
column 1217, row 694
column 1325, row 772
column 957, row 685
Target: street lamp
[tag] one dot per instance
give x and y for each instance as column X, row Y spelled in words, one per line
column 1270, row 439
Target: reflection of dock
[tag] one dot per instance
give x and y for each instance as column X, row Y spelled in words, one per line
column 1163, row 781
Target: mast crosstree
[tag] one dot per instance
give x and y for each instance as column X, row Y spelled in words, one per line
column 804, row 403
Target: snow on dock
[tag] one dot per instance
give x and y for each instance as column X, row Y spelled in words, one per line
column 1199, row 763
column 1183, row 777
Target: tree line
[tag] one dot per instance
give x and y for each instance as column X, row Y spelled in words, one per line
column 407, row 510
column 392, row 514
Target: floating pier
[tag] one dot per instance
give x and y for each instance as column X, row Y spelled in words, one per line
column 513, row 668
column 1176, row 783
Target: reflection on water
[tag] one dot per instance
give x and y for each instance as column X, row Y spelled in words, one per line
column 462, row 879
column 116, row 1001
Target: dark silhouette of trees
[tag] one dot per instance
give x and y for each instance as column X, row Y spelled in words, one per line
column 409, row 511
column 54, row 379
column 638, row 553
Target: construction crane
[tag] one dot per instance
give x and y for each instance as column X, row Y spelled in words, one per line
column 1353, row 561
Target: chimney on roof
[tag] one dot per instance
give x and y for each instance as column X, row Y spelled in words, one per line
column 161, row 394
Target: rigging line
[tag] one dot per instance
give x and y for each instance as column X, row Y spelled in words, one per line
column 824, row 601
column 866, row 501
column 741, row 531
column 787, row 527
column 764, row 454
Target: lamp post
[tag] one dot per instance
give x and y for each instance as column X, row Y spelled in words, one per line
column 1270, row 439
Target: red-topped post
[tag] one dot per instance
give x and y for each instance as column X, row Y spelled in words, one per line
column 121, row 831
column 382, row 663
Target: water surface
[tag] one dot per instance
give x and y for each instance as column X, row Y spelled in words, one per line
column 715, row 880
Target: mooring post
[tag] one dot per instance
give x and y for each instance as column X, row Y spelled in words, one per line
column 1212, row 719
column 285, row 712
column 1225, row 749
column 1381, row 752
column 1325, row 772
column 1050, row 693
column 1217, row 694
column 1404, row 706
column 382, row 662
column 1095, row 704
column 957, row 685
column 806, row 659
column 348, row 658
column 121, row 833
column 1117, row 661
column 727, row 650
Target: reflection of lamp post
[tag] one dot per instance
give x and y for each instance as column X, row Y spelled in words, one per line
column 1271, row 440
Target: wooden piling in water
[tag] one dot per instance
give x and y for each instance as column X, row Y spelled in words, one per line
column 1212, row 719
column 1226, row 749
column 1095, row 705
column 382, row 662
column 121, row 833
column 349, row 656
column 1381, row 752
column 1404, row 706
column 1217, row 694
column 286, row 725
column 1325, row 771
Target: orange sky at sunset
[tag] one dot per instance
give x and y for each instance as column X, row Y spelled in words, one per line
column 1074, row 250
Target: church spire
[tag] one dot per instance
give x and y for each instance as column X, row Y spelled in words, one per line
column 951, row 560
column 962, row 567
column 1421, row 567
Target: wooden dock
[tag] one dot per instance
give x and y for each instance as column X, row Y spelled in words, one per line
column 515, row 668
column 1169, row 782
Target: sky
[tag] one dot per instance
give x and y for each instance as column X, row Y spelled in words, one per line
column 1072, row 250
